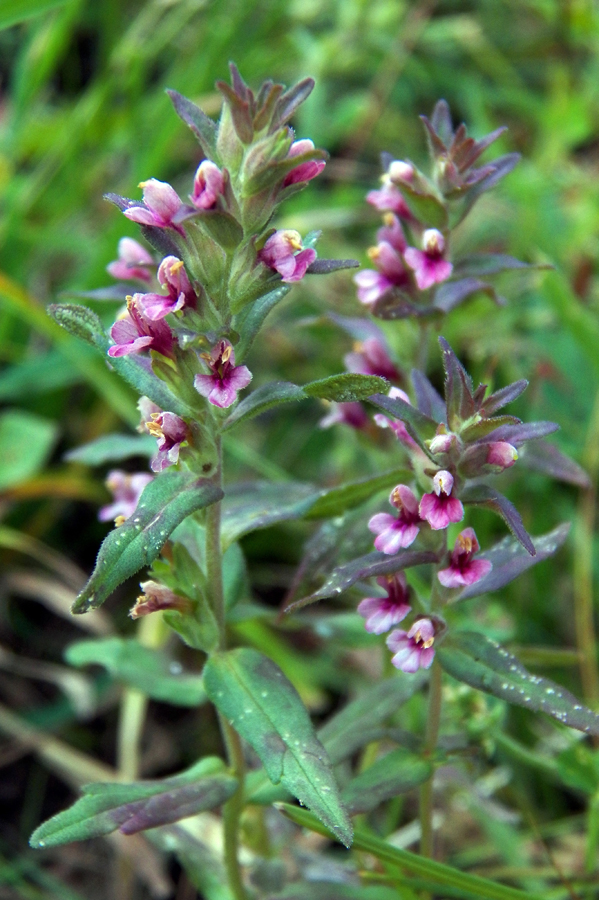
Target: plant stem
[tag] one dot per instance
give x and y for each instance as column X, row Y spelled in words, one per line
column 432, row 734
column 214, row 560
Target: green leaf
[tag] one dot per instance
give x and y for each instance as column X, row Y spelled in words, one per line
column 202, row 126
column 334, row 890
column 222, row 227
column 264, row 707
column 346, row 387
column 395, row 773
column 425, row 207
column 151, row 671
column 164, row 504
column 337, row 500
column 26, row 441
column 476, row 660
column 419, row 426
column 78, row 321
column 202, row 866
column 263, row 398
column 250, row 319
column 473, row 886
column 112, row 448
column 138, row 806
column 14, row 11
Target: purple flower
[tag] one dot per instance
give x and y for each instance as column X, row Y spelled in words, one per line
column 397, row 427
column 350, row 413
column 221, row 386
column 413, row 649
column 171, row 275
column 126, row 490
column 372, row 285
column 442, row 441
column 502, row 455
column 135, row 331
column 382, row 613
column 392, row 233
column 280, row 253
column 161, row 203
column 462, row 569
column 440, row 508
column 157, row 597
column 389, row 198
column 132, row 262
column 371, row 358
column 395, row 532
column 429, row 265
column 171, row 432
column 208, row 185
column 305, row 171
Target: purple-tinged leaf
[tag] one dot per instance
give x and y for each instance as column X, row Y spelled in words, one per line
column 509, row 560
column 503, row 396
column 324, row 266
column 165, row 502
column 484, row 495
column 266, row 710
column 517, row 434
column 240, row 112
column 503, row 165
column 478, row 430
column 239, row 85
column 483, row 664
column 441, row 121
column 548, row 459
column 396, row 305
column 116, row 292
column 418, row 426
column 458, row 388
column 122, row 203
column 140, row 805
column 375, row 563
column 290, row 101
column 359, row 329
column 160, row 240
column 452, row 293
column 395, row 773
column 490, row 264
column 265, row 103
column 428, row 399
column 471, row 149
column 202, row 126
column 424, row 206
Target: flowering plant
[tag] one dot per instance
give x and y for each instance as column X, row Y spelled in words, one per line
column 221, row 269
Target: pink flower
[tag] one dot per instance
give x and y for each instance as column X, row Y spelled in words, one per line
column 413, row 649
column 171, row 275
column 305, row 171
column 397, row 532
column 280, row 253
column 351, row 413
column 372, row 286
column 135, row 331
column 225, row 380
column 371, row 358
column 132, row 262
column 463, row 569
column 397, row 427
column 391, row 273
column 126, row 490
column 442, row 442
column 161, row 203
column 157, row 597
column 381, row 613
column 502, row 455
column 428, row 264
column 171, row 432
column 392, row 233
column 440, row 508
column 208, row 185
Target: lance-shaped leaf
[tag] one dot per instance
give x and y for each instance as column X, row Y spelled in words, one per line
column 252, row 505
column 361, row 720
column 458, row 388
column 480, row 662
column 249, row 321
column 502, row 166
column 137, row 806
column 346, row 387
column 333, row 890
column 144, row 668
column 517, row 434
column 548, row 459
column 359, row 329
column 503, row 396
column 337, row 500
column 451, row 294
column 491, row 264
column 428, row 399
column 78, row 321
column 263, row 398
column 116, row 293
column 160, row 239
column 509, row 560
column 375, row 563
column 424, row 206
column 418, row 426
column 112, row 448
column 165, row 502
column 202, row 126
column 395, row 773
column 222, row 227
column 264, row 707
column 484, row 495
column 290, row 101
column 324, row 266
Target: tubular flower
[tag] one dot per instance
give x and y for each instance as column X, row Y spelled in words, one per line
column 132, row 262
column 389, row 197
column 397, row 427
column 372, row 285
column 428, row 264
column 306, row 171
column 157, row 597
column 370, row 357
column 440, row 508
column 161, row 203
column 171, row 431
column 173, row 277
column 413, row 649
column 280, row 253
column 502, row 455
column 395, row 532
column 350, row 413
column 135, row 331
column 392, row 233
column 462, row 569
column 208, row 185
column 126, row 490
column 226, row 379
column 382, row 613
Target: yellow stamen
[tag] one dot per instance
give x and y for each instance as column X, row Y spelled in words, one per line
column 389, row 219
column 119, row 520
column 373, row 253
column 226, row 354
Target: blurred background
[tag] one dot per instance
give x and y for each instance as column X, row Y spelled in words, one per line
column 83, row 111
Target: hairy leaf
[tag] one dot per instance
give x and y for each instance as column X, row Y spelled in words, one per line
column 78, row 321
column 202, row 126
column 548, row 459
column 249, row 321
column 480, row 662
column 254, row 695
column 334, row 501
column 458, row 388
column 517, row 434
column 346, row 387
column 419, row 426
column 324, row 266
column 504, row 396
column 484, row 495
column 428, row 399
column 263, row 398
column 138, row 806
column 451, row 294
column 165, row 502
